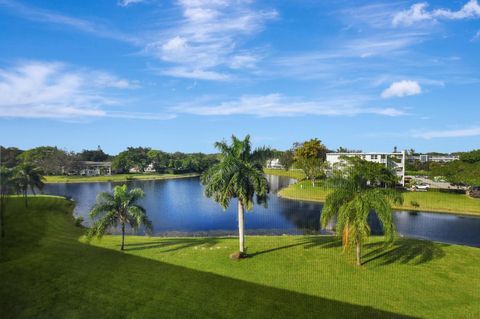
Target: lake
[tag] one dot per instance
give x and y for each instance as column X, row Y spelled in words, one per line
column 178, row 207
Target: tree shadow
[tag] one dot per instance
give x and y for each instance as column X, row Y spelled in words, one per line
column 275, row 249
column 74, row 279
column 403, row 251
column 174, row 243
column 323, row 241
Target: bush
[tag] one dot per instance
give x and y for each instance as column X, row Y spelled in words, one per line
column 414, row 203
column 78, row 221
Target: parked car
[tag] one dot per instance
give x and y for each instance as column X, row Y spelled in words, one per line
column 423, row 187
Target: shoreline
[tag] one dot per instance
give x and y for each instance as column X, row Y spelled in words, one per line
column 396, row 208
column 94, row 179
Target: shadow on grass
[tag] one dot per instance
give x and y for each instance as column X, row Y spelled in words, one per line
column 67, row 278
column 403, row 251
column 174, row 243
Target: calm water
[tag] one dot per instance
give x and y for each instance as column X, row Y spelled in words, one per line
column 178, row 207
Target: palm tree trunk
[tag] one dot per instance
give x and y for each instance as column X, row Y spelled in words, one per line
column 359, row 251
column 241, row 227
column 123, row 236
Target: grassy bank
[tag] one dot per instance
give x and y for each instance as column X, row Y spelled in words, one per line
column 427, row 201
column 114, row 178
column 46, row 271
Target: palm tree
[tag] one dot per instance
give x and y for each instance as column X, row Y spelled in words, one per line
column 6, row 188
column 28, row 176
column 119, row 208
column 351, row 202
column 239, row 174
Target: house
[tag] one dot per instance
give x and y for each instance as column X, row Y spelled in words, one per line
column 90, row 168
column 395, row 161
column 274, row 163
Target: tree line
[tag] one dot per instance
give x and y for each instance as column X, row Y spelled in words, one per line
column 55, row 161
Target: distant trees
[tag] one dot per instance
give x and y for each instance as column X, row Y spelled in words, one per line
column 470, row 157
column 97, row 155
column 310, row 157
column 118, row 208
column 133, row 157
column 9, row 156
column 51, row 160
column 286, row 159
column 352, row 200
column 239, row 175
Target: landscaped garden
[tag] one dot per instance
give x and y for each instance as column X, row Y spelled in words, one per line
column 47, row 270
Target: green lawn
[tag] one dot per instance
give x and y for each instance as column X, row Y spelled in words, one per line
column 428, row 201
column 293, row 173
column 46, row 271
column 113, row 178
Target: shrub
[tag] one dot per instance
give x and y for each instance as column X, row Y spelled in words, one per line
column 414, row 203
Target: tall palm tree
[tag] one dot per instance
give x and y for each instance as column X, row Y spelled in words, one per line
column 118, row 208
column 6, row 188
column 351, row 202
column 28, row 176
column 239, row 174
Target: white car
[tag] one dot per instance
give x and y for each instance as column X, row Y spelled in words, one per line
column 422, row 187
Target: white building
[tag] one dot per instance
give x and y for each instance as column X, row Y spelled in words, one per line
column 90, row 168
column 438, row 158
column 395, row 161
column 274, row 163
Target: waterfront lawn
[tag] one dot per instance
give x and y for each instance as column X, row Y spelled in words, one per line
column 113, row 178
column 46, row 271
column 292, row 173
column 427, row 201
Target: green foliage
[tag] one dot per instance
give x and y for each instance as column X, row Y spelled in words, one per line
column 9, row 156
column 286, row 159
column 310, row 156
column 51, row 160
column 458, row 172
column 353, row 198
column 97, row 155
column 119, row 208
column 133, row 157
column 414, row 203
column 239, row 175
column 368, row 173
column 27, row 176
column 470, row 157
column 310, row 149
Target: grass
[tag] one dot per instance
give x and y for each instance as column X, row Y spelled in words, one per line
column 427, row 201
column 114, row 178
column 48, row 271
column 292, row 173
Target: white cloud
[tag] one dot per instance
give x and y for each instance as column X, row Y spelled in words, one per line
column 402, row 88
column 56, row 90
column 47, row 16
column 209, row 37
column 277, row 105
column 125, row 3
column 468, row 132
column 418, row 12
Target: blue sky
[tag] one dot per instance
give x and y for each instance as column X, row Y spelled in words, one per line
column 180, row 75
